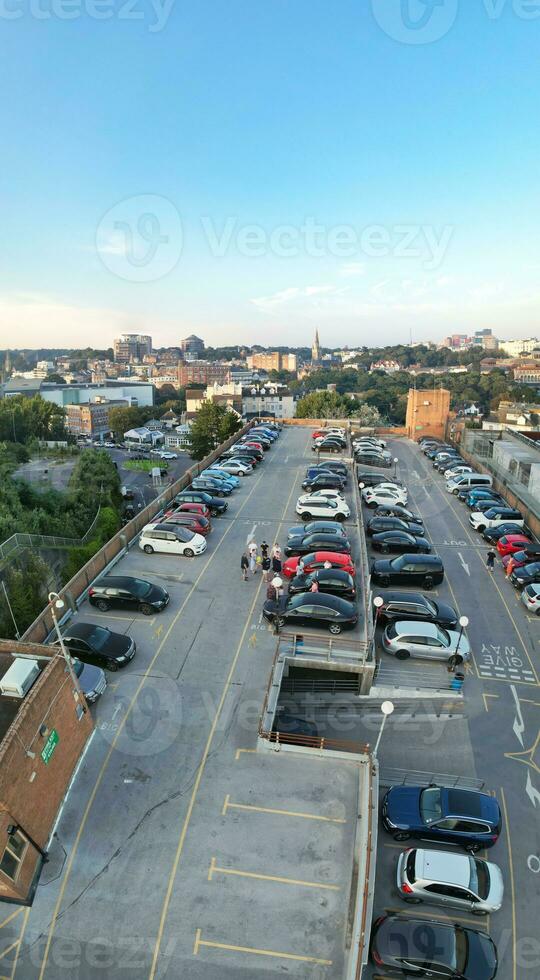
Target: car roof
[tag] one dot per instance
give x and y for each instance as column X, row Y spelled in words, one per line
column 118, row 582
column 322, row 599
column 408, row 597
column 82, row 630
column 469, row 803
column 443, row 866
column 414, row 628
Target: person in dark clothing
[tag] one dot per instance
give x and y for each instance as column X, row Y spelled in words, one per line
column 244, row 565
column 271, row 592
column 266, row 566
column 264, row 549
column 276, row 564
column 490, row 560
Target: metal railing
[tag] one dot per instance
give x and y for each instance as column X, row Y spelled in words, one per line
column 319, row 742
column 21, row 539
column 365, row 893
column 405, row 777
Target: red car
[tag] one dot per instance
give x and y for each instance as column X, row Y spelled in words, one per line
column 524, row 557
column 190, row 508
column 193, row 522
column 509, row 543
column 317, row 433
column 316, row 560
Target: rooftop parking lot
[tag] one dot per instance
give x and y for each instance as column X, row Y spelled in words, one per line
column 244, row 861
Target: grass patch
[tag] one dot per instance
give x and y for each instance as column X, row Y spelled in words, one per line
column 146, row 465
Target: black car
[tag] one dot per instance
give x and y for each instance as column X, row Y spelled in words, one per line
column 492, row 534
column 441, row 465
column 372, row 459
column 214, row 504
column 331, row 581
column 402, row 946
column 435, row 450
column 399, row 606
column 397, row 510
column 312, row 609
column 378, row 524
column 526, row 575
column 217, row 488
column 316, row 527
column 334, row 466
column 98, row 645
column 400, row 542
column 324, row 481
column 420, row 570
column 448, row 815
column 313, row 471
column 317, row 542
column 329, row 446
column 126, row 592
column 92, row 680
column 244, row 450
column 371, row 478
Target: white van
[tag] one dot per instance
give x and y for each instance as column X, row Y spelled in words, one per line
column 171, row 539
column 468, row 481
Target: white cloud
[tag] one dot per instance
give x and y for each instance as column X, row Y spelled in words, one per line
column 293, row 294
column 353, row 270
column 39, row 320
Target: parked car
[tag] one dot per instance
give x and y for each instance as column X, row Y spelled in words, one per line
column 319, row 559
column 377, row 498
column 492, row 534
column 425, row 641
column 418, row 607
column 313, row 471
column 405, row 947
column 311, row 506
column 474, row 497
column 494, row 517
column 454, row 881
column 193, row 522
column 323, row 481
column 314, row 527
column 370, row 478
column 331, row 581
column 465, row 817
column 126, row 592
column 526, row 575
column 369, row 460
column 218, row 488
column 170, row 539
column 530, row 598
column 92, row 679
column 487, row 503
column 188, row 508
column 424, row 571
column 524, row 557
column 508, row 544
column 329, row 446
column 400, row 542
column 397, row 510
column 312, row 609
column 316, row 542
column 457, row 470
column 378, row 524
column 98, row 645
column 189, row 496
column 236, row 467
column 334, row 466
column 215, row 473
column 367, row 492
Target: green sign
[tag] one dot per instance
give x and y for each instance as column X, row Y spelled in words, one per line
column 49, row 746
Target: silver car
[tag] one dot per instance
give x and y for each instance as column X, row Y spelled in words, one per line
column 457, row 881
column 428, row 641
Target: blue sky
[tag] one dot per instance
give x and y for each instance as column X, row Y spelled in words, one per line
column 251, row 170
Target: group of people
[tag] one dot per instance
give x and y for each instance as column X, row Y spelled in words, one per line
column 256, row 557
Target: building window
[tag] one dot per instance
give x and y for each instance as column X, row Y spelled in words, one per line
column 13, row 855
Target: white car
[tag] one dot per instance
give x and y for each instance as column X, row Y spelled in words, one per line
column 457, row 471
column 236, row 468
column 167, row 455
column 325, row 494
column 171, row 539
column 480, row 520
column 385, row 486
column 312, row 506
column 530, row 598
column 371, row 443
column 378, row 498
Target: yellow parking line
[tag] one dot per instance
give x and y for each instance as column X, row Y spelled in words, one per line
column 239, row 751
column 251, row 874
column 9, row 948
column 283, row 813
column 450, row 917
column 147, row 620
column 486, row 696
column 257, row 952
column 10, row 917
column 512, row 882
column 16, row 960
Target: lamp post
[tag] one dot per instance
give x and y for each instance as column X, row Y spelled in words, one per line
column 277, row 582
column 378, row 602
column 387, row 708
column 55, row 603
column 396, row 461
column 463, row 622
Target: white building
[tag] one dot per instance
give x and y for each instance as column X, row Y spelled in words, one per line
column 143, row 437
column 274, row 400
column 178, row 438
column 516, row 347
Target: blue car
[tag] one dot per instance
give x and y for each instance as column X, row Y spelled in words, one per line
column 221, row 475
column 463, row 817
column 267, row 433
column 216, row 487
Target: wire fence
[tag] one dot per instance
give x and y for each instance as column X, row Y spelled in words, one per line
column 21, row 540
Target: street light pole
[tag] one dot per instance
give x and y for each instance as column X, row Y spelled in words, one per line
column 463, row 622
column 56, row 602
column 396, row 461
column 387, row 708
column 17, row 634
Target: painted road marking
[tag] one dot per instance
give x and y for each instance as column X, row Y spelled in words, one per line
column 464, row 563
column 215, row 869
column 257, row 952
column 10, row 917
column 282, row 813
column 9, row 948
column 494, row 661
column 239, row 751
column 486, row 696
column 512, row 882
column 147, row 620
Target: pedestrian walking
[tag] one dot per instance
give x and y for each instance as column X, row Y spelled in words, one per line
column 276, row 565
column 271, row 592
column 252, row 549
column 314, row 586
column 276, row 551
column 300, row 566
column 244, row 565
column 266, row 566
column 510, row 566
column 490, row 560
column 264, row 549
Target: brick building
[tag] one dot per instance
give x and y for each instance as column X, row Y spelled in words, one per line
column 427, row 412
column 203, row 372
column 91, row 419
column 272, row 361
column 42, row 736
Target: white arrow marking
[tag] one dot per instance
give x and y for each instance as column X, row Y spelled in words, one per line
column 531, row 792
column 464, row 563
column 251, row 535
column 118, row 708
column 519, row 725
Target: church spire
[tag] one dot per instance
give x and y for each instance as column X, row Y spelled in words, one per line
column 316, row 349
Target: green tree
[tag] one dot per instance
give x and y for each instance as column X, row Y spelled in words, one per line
column 324, row 405
column 213, row 425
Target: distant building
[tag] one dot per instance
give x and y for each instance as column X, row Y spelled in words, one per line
column 457, row 341
column 92, row 418
column 192, row 345
column 272, row 361
column 528, row 374
column 202, row 372
column 516, row 347
column 316, row 348
column 427, row 412
column 132, row 347
column 143, row 436
column 389, row 367
column 275, row 401
column 178, row 438
column 135, row 393
column 43, row 368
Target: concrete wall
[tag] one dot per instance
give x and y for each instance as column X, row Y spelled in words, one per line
column 427, row 412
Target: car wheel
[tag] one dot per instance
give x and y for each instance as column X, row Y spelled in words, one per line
column 148, row 549
column 402, row 835
column 538, row 612
column 280, row 621
column 384, row 549
column 402, row 654
column 372, row 504
column 455, row 661
column 189, row 553
column 428, row 582
column 481, row 528
column 335, row 629
column 146, row 609
column 305, row 516
column 102, row 605
column 113, row 666
column 455, row 492
column 472, row 848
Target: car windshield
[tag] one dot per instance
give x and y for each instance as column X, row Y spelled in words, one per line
column 533, row 568
column 98, row 637
column 430, row 606
column 442, row 636
column 140, row 588
column 430, row 804
column 462, row 951
column 77, row 665
column 479, row 879
column 297, row 600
